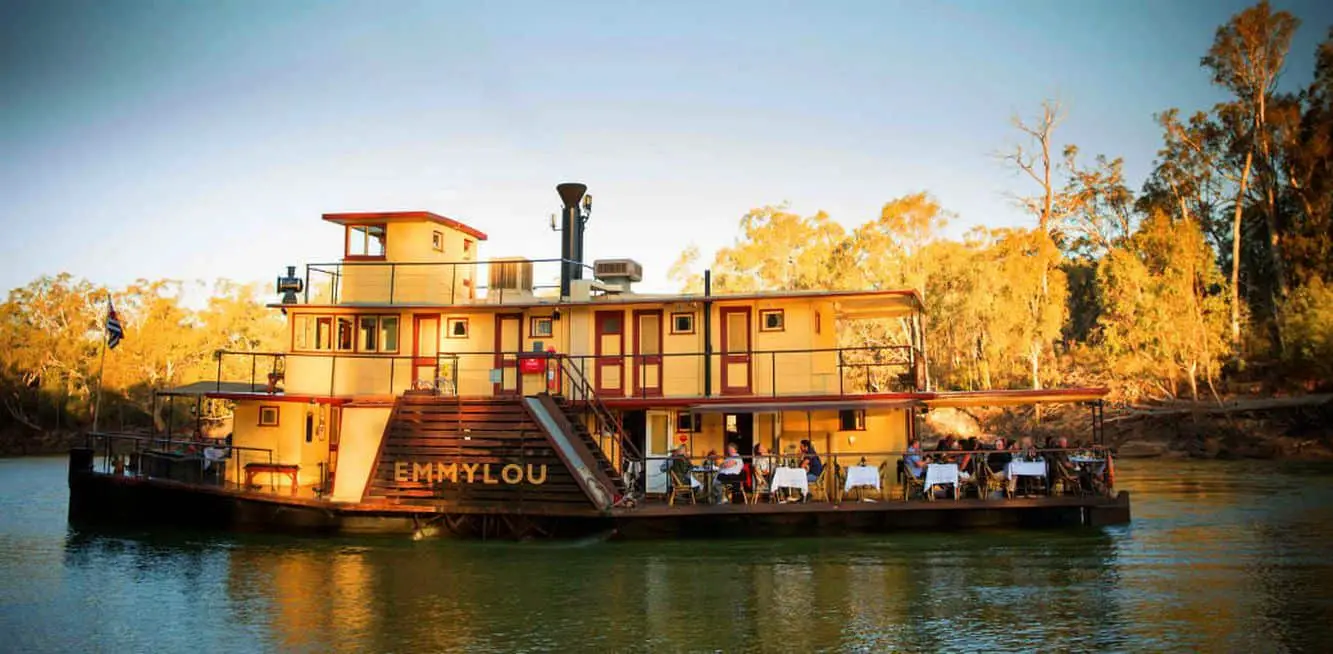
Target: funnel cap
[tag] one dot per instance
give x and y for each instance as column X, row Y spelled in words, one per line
column 571, row 193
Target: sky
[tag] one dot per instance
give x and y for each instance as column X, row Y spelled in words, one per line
column 203, row 140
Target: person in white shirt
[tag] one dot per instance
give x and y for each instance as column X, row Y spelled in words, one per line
column 729, row 474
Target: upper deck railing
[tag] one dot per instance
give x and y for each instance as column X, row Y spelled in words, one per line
column 432, row 282
column 768, row 373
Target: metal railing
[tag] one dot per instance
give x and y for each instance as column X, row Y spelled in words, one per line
column 177, row 455
column 575, row 388
column 432, row 282
column 765, row 373
column 889, row 466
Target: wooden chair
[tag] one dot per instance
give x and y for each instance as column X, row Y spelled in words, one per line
column 679, row 488
column 994, row 481
column 819, row 488
column 1069, row 482
column 729, row 490
column 760, row 486
column 910, row 482
column 976, row 480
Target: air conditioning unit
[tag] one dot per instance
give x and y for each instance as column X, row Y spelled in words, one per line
column 510, row 275
column 617, row 271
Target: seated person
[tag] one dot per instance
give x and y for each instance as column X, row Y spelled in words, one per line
column 730, row 472
column 763, row 461
column 1027, row 450
column 1000, row 458
column 810, row 461
column 912, row 461
column 679, row 467
column 964, row 461
column 711, row 460
column 762, row 467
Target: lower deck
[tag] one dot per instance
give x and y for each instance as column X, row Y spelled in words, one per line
column 98, row 498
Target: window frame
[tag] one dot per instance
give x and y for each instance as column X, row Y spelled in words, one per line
column 683, row 314
column 532, row 326
column 364, row 255
column 276, row 412
column 689, row 423
column 858, row 419
column 449, row 323
column 763, row 320
column 310, row 326
column 437, row 240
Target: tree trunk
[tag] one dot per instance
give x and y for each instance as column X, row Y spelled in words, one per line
column 1194, row 380
column 1235, row 254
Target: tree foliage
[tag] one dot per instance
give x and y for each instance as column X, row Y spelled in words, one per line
column 52, row 331
column 1226, row 251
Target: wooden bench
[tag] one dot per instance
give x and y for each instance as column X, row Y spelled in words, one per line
column 252, row 469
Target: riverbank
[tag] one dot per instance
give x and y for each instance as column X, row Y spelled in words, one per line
column 1288, row 428
column 1298, row 428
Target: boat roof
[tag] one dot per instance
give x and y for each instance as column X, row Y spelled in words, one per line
column 361, row 218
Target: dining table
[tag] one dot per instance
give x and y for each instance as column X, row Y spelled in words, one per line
column 790, row 478
column 941, row 474
column 861, row 477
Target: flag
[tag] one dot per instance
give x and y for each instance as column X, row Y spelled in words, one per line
column 114, row 332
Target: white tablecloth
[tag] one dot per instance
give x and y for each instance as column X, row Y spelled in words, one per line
column 941, row 473
column 1026, row 469
column 862, row 476
column 790, row 478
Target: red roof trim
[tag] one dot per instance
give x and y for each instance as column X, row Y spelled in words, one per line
column 400, row 216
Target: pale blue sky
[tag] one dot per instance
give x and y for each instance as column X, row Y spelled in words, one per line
column 204, row 139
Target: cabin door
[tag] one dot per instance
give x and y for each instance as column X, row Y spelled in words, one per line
column 658, row 449
column 609, row 370
column 648, row 353
column 425, row 350
column 736, row 369
column 508, row 343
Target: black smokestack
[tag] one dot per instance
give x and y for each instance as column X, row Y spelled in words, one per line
column 571, row 234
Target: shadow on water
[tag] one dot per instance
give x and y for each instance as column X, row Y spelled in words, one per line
column 1218, row 557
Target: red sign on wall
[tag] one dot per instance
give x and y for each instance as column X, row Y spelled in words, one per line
column 531, row 365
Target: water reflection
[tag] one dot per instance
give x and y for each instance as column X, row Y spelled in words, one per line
column 1218, row 557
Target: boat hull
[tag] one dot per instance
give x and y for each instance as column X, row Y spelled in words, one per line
column 114, row 500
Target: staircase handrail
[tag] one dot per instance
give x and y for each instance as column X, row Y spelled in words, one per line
column 604, row 416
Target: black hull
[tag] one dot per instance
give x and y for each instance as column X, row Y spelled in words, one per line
column 108, row 500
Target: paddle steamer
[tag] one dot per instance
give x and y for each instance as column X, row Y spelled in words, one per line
column 426, row 390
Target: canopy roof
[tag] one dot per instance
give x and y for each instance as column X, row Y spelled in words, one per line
column 819, row 405
column 957, row 399
column 212, row 388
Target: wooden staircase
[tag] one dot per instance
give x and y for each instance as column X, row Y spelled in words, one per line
column 427, row 435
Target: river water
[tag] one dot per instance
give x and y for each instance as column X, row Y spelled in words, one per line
column 1219, row 557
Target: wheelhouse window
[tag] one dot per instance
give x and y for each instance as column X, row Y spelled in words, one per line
column 772, row 320
column 346, row 336
column 852, row 420
column 344, row 333
column 378, row 334
column 365, row 242
column 682, row 323
column 541, row 327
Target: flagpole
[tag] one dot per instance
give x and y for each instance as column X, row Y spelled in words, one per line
column 101, row 368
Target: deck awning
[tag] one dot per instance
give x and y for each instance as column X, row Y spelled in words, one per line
column 959, row 399
column 877, row 306
column 211, row 387
column 819, row 405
